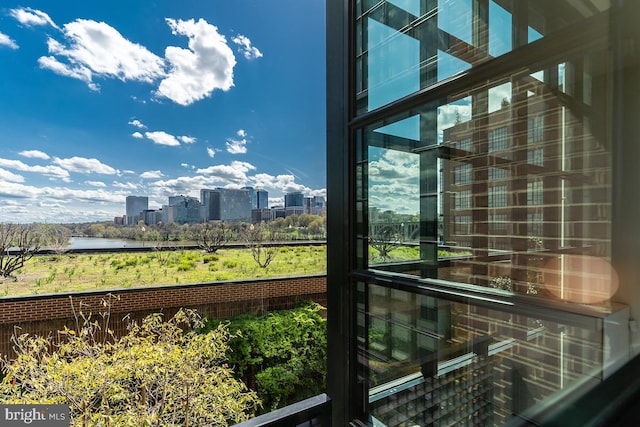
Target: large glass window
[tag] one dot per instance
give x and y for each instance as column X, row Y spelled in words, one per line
column 417, row 174
column 403, row 46
column 433, row 361
column 500, row 187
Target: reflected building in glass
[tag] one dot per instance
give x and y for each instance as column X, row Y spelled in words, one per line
column 483, row 201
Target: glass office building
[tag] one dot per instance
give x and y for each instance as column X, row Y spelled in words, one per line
column 483, row 232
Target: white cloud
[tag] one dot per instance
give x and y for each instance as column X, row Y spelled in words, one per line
column 245, row 47
column 211, row 152
column 162, row 138
column 59, row 194
column 498, row 95
column 137, row 123
column 187, row 139
column 322, row 192
column 34, row 154
column 182, row 185
column 283, row 183
column 393, row 176
column 451, row 114
column 5, row 175
column 137, row 135
column 84, row 165
column 58, row 204
column 89, row 50
column 79, row 72
column 125, row 185
column 196, row 72
column 237, row 146
column 5, row 40
column 152, row 174
column 236, row 172
column 32, row 17
column 96, row 183
column 49, row 170
column 96, row 49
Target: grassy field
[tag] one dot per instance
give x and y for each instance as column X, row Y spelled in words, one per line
column 83, row 272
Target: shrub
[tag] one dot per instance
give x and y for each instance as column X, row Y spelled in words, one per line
column 283, row 353
column 210, row 258
column 186, row 265
column 155, row 375
column 230, row 264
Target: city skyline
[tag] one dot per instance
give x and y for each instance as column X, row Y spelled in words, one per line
column 105, row 100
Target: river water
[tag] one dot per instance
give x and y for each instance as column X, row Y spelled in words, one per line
column 102, row 243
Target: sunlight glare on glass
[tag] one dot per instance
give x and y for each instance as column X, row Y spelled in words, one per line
column 581, row 278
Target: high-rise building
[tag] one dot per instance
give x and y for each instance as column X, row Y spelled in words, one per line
column 482, row 234
column 262, row 199
column 253, row 195
column 206, row 196
column 134, row 206
column 295, row 198
column 183, row 210
column 226, row 204
column 315, row 205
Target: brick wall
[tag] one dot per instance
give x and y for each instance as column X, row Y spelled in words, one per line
column 43, row 314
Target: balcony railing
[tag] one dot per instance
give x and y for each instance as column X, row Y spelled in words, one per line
column 312, row 412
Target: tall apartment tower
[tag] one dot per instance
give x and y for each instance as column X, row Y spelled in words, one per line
column 252, row 195
column 295, row 198
column 226, row 204
column 183, row 210
column 134, row 206
column 262, row 199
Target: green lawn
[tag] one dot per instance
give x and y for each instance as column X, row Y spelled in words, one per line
column 83, row 272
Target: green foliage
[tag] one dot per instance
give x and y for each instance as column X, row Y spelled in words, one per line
column 283, row 353
column 229, row 264
column 108, row 271
column 186, row 265
column 156, row 375
column 210, row 258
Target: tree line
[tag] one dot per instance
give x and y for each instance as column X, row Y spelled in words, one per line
column 304, row 226
column 20, row 242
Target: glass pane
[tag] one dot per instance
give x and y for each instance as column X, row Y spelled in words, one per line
column 393, row 189
column 403, row 46
column 432, row 361
column 506, row 186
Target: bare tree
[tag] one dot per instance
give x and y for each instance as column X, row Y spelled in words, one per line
column 55, row 236
column 18, row 243
column 260, row 239
column 211, row 236
column 384, row 241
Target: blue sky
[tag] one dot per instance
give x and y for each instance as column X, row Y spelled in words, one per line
column 104, row 99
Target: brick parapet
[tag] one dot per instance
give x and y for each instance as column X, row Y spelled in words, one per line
column 60, row 306
column 46, row 314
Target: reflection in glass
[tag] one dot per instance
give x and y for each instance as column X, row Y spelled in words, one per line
column 393, row 67
column 393, row 190
column 403, row 46
column 455, row 17
column 431, row 361
column 499, row 30
column 496, row 182
column 484, row 208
